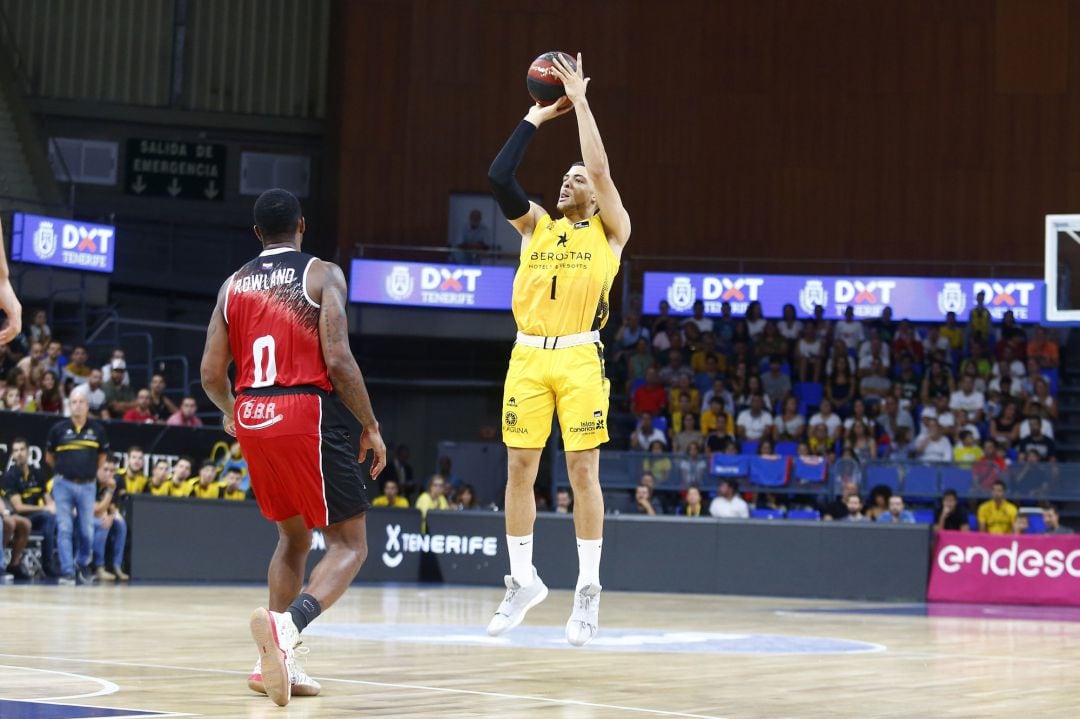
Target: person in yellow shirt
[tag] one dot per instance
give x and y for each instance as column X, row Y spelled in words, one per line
column 159, row 484
column 684, row 387
column 716, row 418
column 979, row 320
column 232, row 485
column 560, row 303
column 997, row 515
column 206, row 486
column 179, row 480
column 699, row 360
column 967, row 451
column 391, row 497
column 953, row 332
column 433, row 498
column 132, row 478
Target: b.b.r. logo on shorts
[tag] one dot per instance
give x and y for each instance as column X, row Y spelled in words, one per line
column 510, row 419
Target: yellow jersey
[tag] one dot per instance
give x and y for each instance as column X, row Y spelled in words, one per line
column 998, row 520
column 162, row 490
column 132, row 483
column 566, row 272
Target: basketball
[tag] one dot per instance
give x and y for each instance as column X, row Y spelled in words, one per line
column 544, row 85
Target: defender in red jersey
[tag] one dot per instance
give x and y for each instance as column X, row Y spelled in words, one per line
column 281, row 319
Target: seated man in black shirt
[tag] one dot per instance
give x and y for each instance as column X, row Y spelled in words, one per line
column 23, row 487
column 16, row 530
column 951, row 514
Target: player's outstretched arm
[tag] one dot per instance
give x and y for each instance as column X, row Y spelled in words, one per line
column 616, row 219
column 502, row 175
column 214, row 370
column 9, row 303
column 344, row 372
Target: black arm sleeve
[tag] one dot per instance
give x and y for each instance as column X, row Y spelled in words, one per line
column 504, row 185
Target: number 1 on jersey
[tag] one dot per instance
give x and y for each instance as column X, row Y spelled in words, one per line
column 554, row 280
column 265, row 371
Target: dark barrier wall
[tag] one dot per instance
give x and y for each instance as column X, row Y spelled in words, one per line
column 195, row 540
column 158, row 441
column 218, row 541
column 914, row 129
column 776, row 558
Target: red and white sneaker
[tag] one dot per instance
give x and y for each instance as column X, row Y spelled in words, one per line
column 276, row 638
column 302, row 685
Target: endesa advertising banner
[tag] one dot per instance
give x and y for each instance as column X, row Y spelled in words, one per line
column 418, row 284
column 920, row 299
column 1006, row 569
column 62, row 243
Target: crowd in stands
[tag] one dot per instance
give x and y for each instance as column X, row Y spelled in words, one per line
column 39, row 374
column 857, row 389
column 981, row 393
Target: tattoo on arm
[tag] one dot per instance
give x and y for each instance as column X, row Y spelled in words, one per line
column 334, row 332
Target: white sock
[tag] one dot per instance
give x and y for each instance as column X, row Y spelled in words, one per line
column 521, row 566
column 588, row 553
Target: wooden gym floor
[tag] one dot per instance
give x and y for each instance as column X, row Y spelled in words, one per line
column 406, row 651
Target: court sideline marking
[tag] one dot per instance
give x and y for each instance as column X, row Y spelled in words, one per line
column 107, row 687
column 388, row 685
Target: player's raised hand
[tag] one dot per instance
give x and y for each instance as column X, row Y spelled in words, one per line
column 9, row 303
column 573, row 80
column 372, row 441
column 539, row 114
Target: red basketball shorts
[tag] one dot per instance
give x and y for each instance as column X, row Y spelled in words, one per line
column 301, row 455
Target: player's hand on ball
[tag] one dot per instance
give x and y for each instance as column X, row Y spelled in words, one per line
column 573, row 80
column 539, row 114
column 372, row 441
column 228, row 424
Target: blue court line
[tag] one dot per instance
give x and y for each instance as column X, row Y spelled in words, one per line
column 17, row 709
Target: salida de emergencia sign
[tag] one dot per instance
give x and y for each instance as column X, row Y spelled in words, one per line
column 170, row 168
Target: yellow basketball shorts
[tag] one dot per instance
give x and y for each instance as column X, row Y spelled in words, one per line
column 569, row 381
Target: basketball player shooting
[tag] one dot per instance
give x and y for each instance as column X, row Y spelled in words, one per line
column 281, row 317
column 560, row 303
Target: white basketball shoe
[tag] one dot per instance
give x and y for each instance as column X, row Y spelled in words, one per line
column 585, row 619
column 517, row 601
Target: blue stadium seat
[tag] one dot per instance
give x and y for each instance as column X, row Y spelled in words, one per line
column 769, row 471
column 810, row 469
column 924, row 516
column 809, row 393
column 1036, row 523
column 749, row 447
column 787, row 449
column 730, row 465
column 1052, row 379
column 886, row 474
column 808, row 514
column 766, row 514
column 660, row 423
column 639, row 382
column 957, row 479
column 973, row 521
column 1012, row 453
column 920, row 481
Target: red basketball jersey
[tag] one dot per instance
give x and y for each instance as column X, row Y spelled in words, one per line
column 274, row 324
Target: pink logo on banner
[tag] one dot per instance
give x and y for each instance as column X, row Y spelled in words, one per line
column 1006, row 569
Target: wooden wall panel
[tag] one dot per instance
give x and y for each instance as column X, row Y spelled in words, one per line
column 768, row 128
